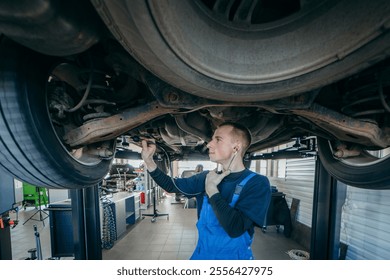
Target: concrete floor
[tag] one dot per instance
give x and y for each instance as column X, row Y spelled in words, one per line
column 165, row 239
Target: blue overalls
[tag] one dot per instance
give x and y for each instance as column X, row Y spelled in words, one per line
column 213, row 242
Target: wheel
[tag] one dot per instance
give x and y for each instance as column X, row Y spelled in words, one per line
column 31, row 148
column 363, row 171
column 228, row 51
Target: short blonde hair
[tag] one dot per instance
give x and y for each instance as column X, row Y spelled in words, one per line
column 242, row 132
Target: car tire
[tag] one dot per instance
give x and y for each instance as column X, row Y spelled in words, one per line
column 374, row 175
column 191, row 47
column 30, row 149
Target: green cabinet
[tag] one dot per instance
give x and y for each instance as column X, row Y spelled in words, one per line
column 33, row 195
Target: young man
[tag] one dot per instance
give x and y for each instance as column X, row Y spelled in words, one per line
column 228, row 204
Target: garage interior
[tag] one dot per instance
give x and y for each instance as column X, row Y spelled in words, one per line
column 77, row 76
column 329, row 220
column 172, row 239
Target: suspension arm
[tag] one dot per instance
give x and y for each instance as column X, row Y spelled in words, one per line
column 346, row 128
column 114, row 126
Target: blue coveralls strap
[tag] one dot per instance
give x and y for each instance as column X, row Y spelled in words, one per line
column 213, row 242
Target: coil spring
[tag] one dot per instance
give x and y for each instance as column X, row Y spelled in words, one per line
column 367, row 97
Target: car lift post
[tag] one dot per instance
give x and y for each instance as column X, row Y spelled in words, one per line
column 86, row 224
column 328, row 199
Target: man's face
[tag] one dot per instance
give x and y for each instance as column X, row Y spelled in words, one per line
column 221, row 147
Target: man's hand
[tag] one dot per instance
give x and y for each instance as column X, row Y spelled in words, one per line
column 148, row 150
column 212, row 181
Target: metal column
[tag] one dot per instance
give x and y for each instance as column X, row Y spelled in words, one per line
column 86, row 231
column 328, row 199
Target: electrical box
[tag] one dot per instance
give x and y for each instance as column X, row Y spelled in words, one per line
column 18, row 190
column 7, row 193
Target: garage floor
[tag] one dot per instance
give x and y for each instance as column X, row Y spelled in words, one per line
column 163, row 239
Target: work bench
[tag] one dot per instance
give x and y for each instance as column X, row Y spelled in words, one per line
column 127, row 210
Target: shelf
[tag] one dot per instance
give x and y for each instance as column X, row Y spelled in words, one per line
column 128, row 214
column 126, row 209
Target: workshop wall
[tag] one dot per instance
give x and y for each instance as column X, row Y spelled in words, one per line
column 364, row 224
column 297, row 182
column 364, row 228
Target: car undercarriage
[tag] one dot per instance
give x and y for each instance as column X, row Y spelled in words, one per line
column 80, row 79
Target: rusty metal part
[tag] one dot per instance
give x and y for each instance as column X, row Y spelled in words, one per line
column 114, row 126
column 192, row 129
column 101, row 153
column 346, row 128
column 344, row 152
